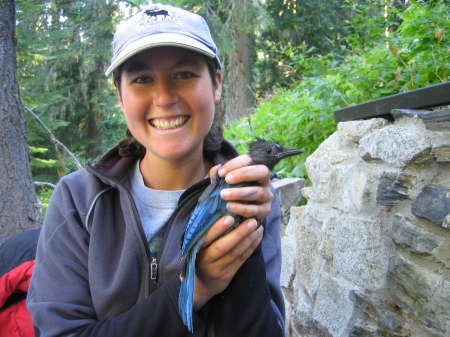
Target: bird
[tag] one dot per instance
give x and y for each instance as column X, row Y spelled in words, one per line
column 211, row 207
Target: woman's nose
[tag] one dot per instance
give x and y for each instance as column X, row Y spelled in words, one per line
column 165, row 93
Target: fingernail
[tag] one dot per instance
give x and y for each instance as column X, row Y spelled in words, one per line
column 228, row 221
column 260, row 229
column 222, row 172
column 224, row 194
column 252, row 224
column 229, row 178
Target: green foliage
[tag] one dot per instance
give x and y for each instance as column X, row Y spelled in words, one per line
column 295, row 23
column 114, row 128
column 309, row 64
column 298, row 117
column 43, row 153
column 43, row 194
column 414, row 53
column 424, row 53
column 63, row 49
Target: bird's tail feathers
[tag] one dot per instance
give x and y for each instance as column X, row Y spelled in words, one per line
column 182, row 263
column 186, row 297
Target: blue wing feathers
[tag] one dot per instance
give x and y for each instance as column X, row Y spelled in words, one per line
column 204, row 215
column 186, row 297
column 209, row 209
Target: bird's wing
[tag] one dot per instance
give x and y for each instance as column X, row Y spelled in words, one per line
column 207, row 211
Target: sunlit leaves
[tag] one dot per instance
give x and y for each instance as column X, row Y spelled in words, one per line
column 415, row 54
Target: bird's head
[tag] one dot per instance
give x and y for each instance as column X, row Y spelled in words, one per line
column 270, row 153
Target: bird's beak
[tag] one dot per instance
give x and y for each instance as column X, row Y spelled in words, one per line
column 289, row 153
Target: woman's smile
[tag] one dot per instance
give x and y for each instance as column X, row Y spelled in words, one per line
column 168, row 123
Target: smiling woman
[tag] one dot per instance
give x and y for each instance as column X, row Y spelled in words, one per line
column 158, row 87
column 139, row 73
column 108, row 258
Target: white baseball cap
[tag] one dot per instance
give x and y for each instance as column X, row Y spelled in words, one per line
column 161, row 25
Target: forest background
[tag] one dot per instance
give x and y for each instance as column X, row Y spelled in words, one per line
column 288, row 65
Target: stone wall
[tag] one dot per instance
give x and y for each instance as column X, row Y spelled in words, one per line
column 369, row 255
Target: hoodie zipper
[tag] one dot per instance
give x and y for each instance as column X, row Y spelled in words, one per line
column 153, row 266
column 177, row 217
column 153, row 269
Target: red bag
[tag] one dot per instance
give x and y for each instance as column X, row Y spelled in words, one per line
column 15, row 320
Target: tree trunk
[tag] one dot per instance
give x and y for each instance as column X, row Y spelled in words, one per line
column 19, row 209
column 239, row 94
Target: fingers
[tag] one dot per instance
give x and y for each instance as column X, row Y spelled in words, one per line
column 241, row 169
column 216, row 230
column 250, row 210
column 225, row 255
column 252, row 173
column 241, row 243
column 218, row 263
column 235, row 163
column 213, row 172
column 251, row 201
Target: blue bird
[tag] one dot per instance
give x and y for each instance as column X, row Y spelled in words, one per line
column 209, row 209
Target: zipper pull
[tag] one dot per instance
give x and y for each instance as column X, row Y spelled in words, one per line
column 153, row 269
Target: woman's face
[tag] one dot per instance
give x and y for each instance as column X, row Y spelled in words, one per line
column 168, row 99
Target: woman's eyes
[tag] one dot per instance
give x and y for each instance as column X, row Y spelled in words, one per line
column 143, row 79
column 185, row 74
column 148, row 79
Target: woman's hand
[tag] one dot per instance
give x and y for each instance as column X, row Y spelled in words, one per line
column 221, row 257
column 239, row 170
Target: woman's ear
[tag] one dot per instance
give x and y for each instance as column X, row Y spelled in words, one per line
column 119, row 96
column 218, row 88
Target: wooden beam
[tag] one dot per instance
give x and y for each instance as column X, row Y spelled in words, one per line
column 428, row 97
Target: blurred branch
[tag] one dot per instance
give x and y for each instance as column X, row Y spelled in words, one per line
column 54, row 139
column 44, row 184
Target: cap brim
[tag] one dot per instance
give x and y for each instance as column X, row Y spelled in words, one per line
column 158, row 40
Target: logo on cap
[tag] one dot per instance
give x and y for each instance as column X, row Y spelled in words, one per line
column 156, row 16
column 155, row 13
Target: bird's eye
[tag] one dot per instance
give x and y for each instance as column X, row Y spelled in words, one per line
column 269, row 150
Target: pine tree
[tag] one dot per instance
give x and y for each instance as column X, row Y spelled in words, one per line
column 18, row 203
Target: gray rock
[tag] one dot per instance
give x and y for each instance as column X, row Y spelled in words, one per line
column 421, row 294
column 367, row 331
column 359, row 255
column 433, row 203
column 402, row 231
column 435, row 120
column 289, row 191
column 423, row 245
column 405, row 233
column 411, row 113
column 383, row 311
column 393, row 187
column 438, row 120
column 398, row 146
column 352, row 266
column 333, row 307
column 441, row 153
column 351, row 132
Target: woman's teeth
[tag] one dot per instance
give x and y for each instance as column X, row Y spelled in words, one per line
column 165, row 124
